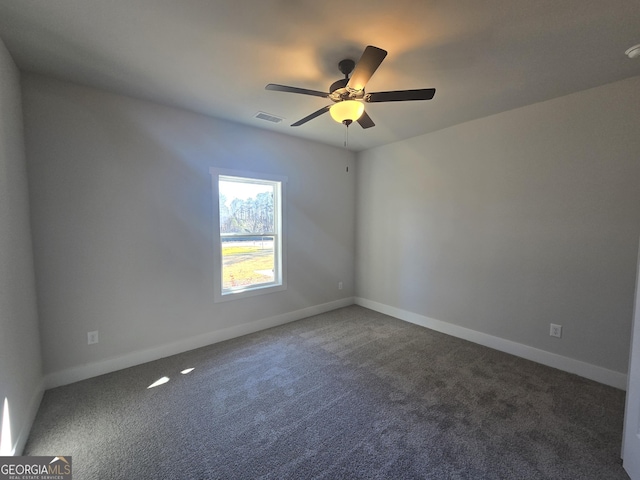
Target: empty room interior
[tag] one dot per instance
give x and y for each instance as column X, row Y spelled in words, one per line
column 211, row 268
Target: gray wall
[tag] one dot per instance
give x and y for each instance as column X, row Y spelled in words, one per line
column 20, row 366
column 122, row 209
column 508, row 223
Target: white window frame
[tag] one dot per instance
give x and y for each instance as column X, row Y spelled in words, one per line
column 280, row 275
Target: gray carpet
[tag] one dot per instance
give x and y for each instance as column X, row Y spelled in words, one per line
column 348, row 394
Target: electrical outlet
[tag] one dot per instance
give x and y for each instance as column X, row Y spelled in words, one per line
column 339, row 285
column 556, row 330
column 92, row 337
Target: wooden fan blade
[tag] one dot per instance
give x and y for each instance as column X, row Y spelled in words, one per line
column 315, row 114
column 365, row 121
column 401, row 95
column 303, row 91
column 369, row 62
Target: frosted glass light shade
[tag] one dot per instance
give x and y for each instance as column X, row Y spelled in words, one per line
column 346, row 110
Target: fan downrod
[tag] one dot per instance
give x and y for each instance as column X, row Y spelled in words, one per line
column 337, row 89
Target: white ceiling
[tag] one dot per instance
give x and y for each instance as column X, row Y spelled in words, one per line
column 216, row 56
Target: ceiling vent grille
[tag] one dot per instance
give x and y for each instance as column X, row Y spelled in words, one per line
column 268, row 117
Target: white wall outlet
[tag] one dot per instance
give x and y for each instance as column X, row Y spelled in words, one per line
column 556, row 330
column 339, row 285
column 92, row 337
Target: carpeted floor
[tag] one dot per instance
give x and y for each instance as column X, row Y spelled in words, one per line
column 348, row 394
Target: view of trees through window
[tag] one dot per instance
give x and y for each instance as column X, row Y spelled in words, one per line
column 250, row 215
column 248, row 231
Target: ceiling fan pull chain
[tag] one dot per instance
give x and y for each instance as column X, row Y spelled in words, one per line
column 346, row 137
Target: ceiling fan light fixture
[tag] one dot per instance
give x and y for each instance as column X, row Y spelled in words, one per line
column 347, row 111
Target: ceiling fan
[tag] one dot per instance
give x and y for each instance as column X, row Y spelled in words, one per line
column 348, row 93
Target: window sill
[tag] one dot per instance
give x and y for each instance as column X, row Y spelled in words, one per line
column 251, row 292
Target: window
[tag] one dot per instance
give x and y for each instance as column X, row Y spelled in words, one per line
column 248, row 240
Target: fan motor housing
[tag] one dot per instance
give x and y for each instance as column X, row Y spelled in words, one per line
column 340, row 84
column 338, row 90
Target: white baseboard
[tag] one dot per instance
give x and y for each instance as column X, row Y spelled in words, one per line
column 82, row 372
column 583, row 369
column 32, row 411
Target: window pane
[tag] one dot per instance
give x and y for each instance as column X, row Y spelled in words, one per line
column 246, row 207
column 251, row 259
column 247, row 261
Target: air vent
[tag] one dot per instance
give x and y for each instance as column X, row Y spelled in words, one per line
column 268, row 117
